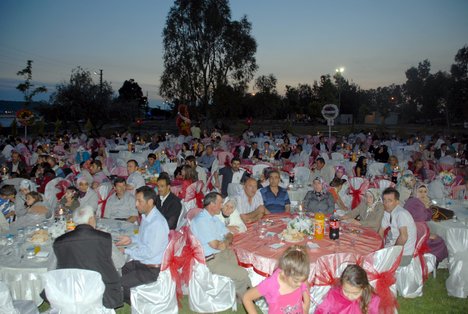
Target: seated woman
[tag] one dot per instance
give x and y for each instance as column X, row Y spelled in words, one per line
column 361, row 167
column 25, row 187
column 339, row 191
column 319, row 199
column 428, row 152
column 370, row 212
column 391, row 167
column 230, row 216
column 200, row 149
column 405, row 187
column 69, row 201
column 285, row 150
column 381, row 154
column 418, row 170
column 189, row 176
column 340, row 173
column 418, row 206
column 34, row 204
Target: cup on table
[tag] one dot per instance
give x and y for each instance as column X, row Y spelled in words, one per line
column 261, row 229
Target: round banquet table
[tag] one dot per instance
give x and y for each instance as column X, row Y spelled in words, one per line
column 252, row 251
column 22, row 274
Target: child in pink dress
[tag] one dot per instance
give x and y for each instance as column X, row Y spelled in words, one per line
column 286, row 291
column 354, row 295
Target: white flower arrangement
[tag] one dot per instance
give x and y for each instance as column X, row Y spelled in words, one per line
column 303, row 225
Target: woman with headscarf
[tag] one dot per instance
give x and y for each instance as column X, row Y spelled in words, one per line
column 86, row 195
column 319, row 199
column 230, row 216
column 418, row 206
column 405, row 187
column 25, row 187
column 370, row 211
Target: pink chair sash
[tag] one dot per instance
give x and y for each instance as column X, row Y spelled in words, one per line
column 358, row 193
column 421, row 246
column 327, row 265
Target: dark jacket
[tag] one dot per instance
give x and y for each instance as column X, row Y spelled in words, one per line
column 247, row 150
column 91, row 249
column 170, row 209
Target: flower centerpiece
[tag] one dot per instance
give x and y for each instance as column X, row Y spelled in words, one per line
column 300, row 224
column 447, row 177
column 25, row 117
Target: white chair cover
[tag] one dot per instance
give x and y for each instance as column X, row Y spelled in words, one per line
column 284, row 182
column 457, row 244
column 337, row 156
column 169, row 167
column 410, row 278
column 375, row 169
column 436, row 189
column 209, row 293
column 159, row 296
column 328, row 270
column 380, row 267
column 104, row 191
column 6, row 303
column 257, row 170
column 431, row 263
column 301, row 175
column 383, row 184
column 75, row 291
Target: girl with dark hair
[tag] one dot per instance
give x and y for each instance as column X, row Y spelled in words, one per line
column 361, row 167
column 353, row 295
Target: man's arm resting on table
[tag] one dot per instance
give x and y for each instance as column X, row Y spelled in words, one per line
column 255, row 215
column 222, row 245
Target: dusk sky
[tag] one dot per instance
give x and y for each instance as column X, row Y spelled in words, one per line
column 298, row 40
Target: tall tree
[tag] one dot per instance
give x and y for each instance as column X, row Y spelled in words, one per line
column 81, row 100
column 27, row 87
column 131, row 96
column 204, row 48
column 458, row 94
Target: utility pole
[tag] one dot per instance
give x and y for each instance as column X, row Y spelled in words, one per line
column 100, row 81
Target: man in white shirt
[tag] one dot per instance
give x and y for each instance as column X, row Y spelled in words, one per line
column 323, row 170
column 135, row 180
column 300, row 157
column 121, row 205
column 402, row 227
column 250, row 202
column 192, row 162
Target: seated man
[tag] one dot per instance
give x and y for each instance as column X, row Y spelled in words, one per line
column 88, row 248
column 275, row 198
column 134, row 180
column 168, row 203
column 152, row 165
column 192, row 162
column 149, row 244
column 232, row 174
column 16, row 166
column 7, row 202
column 53, row 164
column 327, row 172
column 251, row 151
column 216, row 240
column 250, row 202
column 402, row 227
column 300, row 156
column 99, row 177
column 206, row 160
column 121, row 205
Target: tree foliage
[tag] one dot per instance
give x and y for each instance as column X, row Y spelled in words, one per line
column 81, row 99
column 204, row 49
column 27, row 87
column 130, row 103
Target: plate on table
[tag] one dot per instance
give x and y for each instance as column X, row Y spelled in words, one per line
column 292, row 237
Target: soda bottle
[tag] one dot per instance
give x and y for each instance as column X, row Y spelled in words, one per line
column 334, row 227
column 319, row 225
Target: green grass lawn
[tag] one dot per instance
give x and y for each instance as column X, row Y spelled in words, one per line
column 434, row 300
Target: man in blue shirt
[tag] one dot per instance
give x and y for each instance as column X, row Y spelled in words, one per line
column 206, row 160
column 275, row 198
column 148, row 246
column 216, row 241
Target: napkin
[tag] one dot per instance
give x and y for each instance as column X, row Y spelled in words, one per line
column 42, row 254
column 312, row 245
column 270, row 234
column 276, row 245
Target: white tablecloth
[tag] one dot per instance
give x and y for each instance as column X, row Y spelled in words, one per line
column 23, row 274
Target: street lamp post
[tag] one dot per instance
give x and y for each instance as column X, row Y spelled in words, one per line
column 339, row 73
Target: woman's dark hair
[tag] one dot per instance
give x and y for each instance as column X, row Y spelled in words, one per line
column 74, row 190
column 360, row 164
column 356, row 276
column 36, row 196
column 336, row 182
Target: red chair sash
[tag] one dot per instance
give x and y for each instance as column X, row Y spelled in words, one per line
column 358, row 194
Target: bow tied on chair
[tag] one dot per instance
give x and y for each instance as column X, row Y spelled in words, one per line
column 357, row 193
column 173, row 262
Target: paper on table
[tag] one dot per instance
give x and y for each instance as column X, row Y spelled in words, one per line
column 312, row 245
column 276, row 245
column 270, row 234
